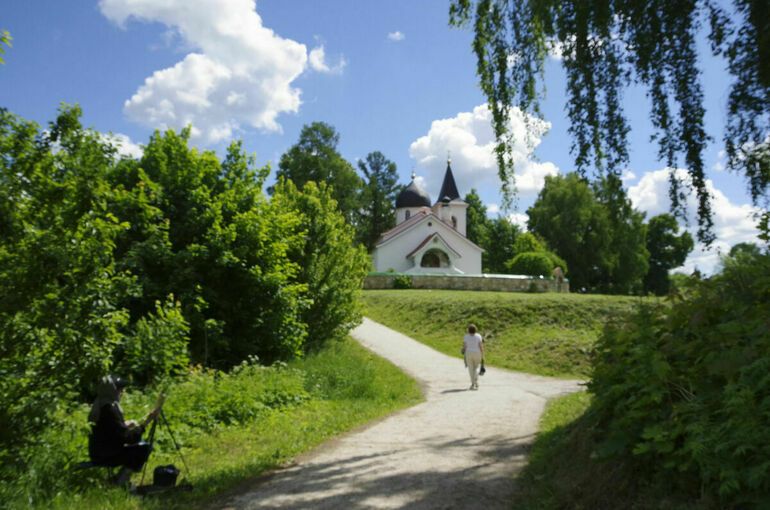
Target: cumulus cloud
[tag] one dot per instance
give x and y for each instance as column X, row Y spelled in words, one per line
column 317, row 60
column 733, row 223
column 519, row 219
column 396, row 36
column 470, row 140
column 124, row 145
column 239, row 74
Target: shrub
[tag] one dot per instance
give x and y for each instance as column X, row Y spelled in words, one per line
column 402, row 281
column 531, row 263
column 158, row 347
column 681, row 390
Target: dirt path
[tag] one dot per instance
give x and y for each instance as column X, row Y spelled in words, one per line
column 457, row 450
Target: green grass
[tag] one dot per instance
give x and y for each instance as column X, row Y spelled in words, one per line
column 547, row 334
column 344, row 386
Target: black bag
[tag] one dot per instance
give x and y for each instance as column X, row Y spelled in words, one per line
column 483, row 369
column 165, row 476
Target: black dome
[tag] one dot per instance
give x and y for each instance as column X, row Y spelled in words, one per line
column 412, row 196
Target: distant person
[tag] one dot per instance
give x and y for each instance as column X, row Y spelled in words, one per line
column 114, row 441
column 473, row 350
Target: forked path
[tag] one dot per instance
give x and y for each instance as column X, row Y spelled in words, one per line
column 459, row 449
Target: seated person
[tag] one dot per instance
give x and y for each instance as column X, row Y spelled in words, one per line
column 113, row 440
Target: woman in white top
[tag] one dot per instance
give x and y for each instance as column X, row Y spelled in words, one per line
column 473, row 349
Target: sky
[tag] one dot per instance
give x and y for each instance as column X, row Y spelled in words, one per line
column 389, row 75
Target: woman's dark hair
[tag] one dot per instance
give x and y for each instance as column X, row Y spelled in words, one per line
column 472, row 329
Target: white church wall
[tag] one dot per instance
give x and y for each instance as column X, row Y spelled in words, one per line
column 392, row 255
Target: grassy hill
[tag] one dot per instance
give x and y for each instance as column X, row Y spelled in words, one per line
column 546, row 334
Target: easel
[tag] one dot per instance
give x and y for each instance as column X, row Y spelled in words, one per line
column 143, row 490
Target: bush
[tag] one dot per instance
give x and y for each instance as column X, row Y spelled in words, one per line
column 531, row 263
column 158, row 347
column 681, row 390
column 402, row 281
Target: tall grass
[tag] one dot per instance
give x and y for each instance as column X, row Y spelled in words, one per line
column 231, row 427
column 547, row 334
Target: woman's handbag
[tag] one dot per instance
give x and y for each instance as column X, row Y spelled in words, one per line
column 483, row 369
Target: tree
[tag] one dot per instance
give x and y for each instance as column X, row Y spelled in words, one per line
column 377, row 199
column 477, row 224
column 607, row 45
column 315, row 158
column 668, row 249
column 499, row 248
column 630, row 257
column 331, row 266
column 749, row 249
column 575, row 225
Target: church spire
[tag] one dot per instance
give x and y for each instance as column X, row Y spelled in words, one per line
column 448, row 188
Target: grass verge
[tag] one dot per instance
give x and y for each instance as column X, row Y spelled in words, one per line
column 547, row 334
column 343, row 387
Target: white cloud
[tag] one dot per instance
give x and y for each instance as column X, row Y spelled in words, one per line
column 317, row 60
column 492, row 209
column 124, row 145
column 396, row 36
column 733, row 223
column 240, row 73
column 519, row 219
column 628, row 175
column 470, row 139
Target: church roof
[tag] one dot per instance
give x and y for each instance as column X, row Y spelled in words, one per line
column 413, row 196
column 448, row 187
column 427, row 240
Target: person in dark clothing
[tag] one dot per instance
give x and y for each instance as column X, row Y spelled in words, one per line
column 114, row 441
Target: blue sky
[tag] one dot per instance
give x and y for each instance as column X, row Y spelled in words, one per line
column 389, row 75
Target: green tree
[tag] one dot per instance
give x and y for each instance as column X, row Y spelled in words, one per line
column 668, row 249
column 502, row 235
column 378, row 198
column 477, row 223
column 629, row 262
column 315, row 158
column 331, row 266
column 568, row 216
column 750, row 249
column 608, row 45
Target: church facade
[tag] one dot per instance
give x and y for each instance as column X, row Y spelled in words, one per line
column 428, row 239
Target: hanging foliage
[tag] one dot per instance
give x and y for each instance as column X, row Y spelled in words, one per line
column 606, row 45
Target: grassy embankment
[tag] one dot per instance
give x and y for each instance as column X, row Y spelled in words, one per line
column 233, row 428
column 546, row 334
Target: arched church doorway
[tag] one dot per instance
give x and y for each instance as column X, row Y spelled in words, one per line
column 434, row 258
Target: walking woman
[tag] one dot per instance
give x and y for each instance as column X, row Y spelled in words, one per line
column 473, row 349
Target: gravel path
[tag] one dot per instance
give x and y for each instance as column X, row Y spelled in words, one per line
column 459, row 449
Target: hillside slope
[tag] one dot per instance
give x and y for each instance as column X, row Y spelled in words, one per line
column 546, row 334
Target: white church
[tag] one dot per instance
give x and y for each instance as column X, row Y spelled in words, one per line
column 428, row 239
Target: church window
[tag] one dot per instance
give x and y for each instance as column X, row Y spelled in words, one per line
column 408, row 214
column 434, row 258
column 454, row 222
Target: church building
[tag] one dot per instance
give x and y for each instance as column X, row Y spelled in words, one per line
column 428, row 239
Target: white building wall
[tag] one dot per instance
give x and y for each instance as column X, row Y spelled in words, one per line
column 392, row 255
column 456, row 209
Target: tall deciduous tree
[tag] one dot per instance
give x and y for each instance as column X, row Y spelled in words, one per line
column 477, row 223
column 378, row 198
column 629, row 262
column 502, row 235
column 607, row 45
column 668, row 249
column 315, row 158
column 573, row 222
